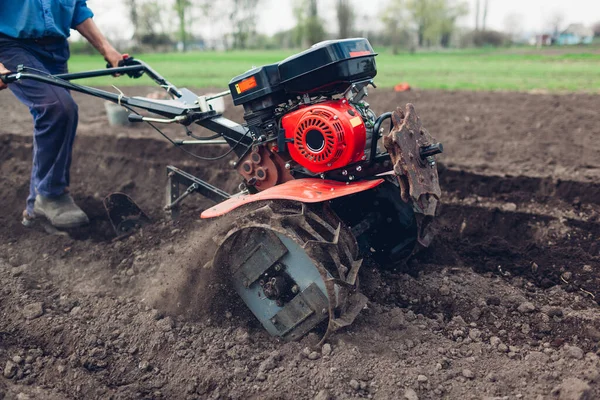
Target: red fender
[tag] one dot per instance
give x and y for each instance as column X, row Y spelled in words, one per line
column 308, row 190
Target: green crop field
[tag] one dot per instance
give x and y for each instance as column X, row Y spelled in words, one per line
column 556, row 70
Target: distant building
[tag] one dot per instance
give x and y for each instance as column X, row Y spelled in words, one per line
column 544, row 40
column 575, row 34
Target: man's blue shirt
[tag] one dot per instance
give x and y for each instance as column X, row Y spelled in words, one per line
column 32, row 19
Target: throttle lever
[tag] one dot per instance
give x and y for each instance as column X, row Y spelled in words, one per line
column 181, row 119
column 141, row 118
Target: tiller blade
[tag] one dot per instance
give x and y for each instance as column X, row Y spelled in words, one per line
column 411, row 149
column 125, row 216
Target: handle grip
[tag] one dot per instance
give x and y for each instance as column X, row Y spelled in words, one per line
column 128, row 61
column 121, row 62
column 135, row 118
column 8, row 78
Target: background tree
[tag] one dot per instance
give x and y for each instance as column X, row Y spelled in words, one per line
column 435, row 20
column 422, row 22
column 555, row 22
column 298, row 32
column 345, row 17
column 477, row 15
column 148, row 19
column 486, row 3
column 181, row 8
column 397, row 35
column 132, row 5
column 513, row 25
column 315, row 32
column 448, row 20
column 243, row 19
column 309, row 27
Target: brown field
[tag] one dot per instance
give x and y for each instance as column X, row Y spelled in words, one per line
column 503, row 305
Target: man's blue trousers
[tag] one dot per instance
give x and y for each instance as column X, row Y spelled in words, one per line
column 53, row 109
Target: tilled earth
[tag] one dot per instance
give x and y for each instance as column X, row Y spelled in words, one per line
column 502, row 305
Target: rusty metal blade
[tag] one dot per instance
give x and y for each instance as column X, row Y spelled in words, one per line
column 124, row 214
column 418, row 178
column 419, row 181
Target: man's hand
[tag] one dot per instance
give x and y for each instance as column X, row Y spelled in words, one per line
column 113, row 57
column 3, row 71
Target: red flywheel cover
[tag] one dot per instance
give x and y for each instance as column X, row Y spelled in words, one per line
column 326, row 136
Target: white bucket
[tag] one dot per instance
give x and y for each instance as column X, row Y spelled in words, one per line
column 117, row 115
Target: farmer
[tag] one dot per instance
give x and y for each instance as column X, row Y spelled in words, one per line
column 34, row 33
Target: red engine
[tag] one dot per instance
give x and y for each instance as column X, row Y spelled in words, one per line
column 325, row 136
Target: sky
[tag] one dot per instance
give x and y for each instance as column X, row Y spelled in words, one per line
column 534, row 13
column 276, row 15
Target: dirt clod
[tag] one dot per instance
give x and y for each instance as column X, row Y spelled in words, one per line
column 526, row 307
column 574, row 352
column 467, row 373
column 33, row 310
column 573, row 389
column 410, row 394
column 323, row 395
column 444, row 290
column 10, row 369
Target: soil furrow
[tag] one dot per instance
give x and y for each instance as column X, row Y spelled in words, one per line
column 502, row 305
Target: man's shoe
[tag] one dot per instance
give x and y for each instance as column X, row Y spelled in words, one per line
column 61, row 211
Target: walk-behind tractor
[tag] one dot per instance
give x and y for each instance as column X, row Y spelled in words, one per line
column 326, row 182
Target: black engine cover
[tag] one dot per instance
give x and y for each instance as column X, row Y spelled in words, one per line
column 256, row 84
column 328, row 67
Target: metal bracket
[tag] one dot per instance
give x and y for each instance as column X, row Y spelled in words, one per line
column 178, row 200
column 178, row 177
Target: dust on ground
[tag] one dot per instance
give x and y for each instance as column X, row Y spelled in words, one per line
column 503, row 305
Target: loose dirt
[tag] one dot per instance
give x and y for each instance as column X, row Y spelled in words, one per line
column 503, row 305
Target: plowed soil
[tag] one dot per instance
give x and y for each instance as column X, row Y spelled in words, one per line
column 503, row 305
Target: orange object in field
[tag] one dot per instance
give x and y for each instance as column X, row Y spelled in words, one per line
column 402, row 87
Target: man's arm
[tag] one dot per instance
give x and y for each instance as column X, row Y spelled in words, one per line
column 90, row 31
column 3, row 71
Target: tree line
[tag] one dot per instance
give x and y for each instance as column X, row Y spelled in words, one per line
column 232, row 24
column 406, row 23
